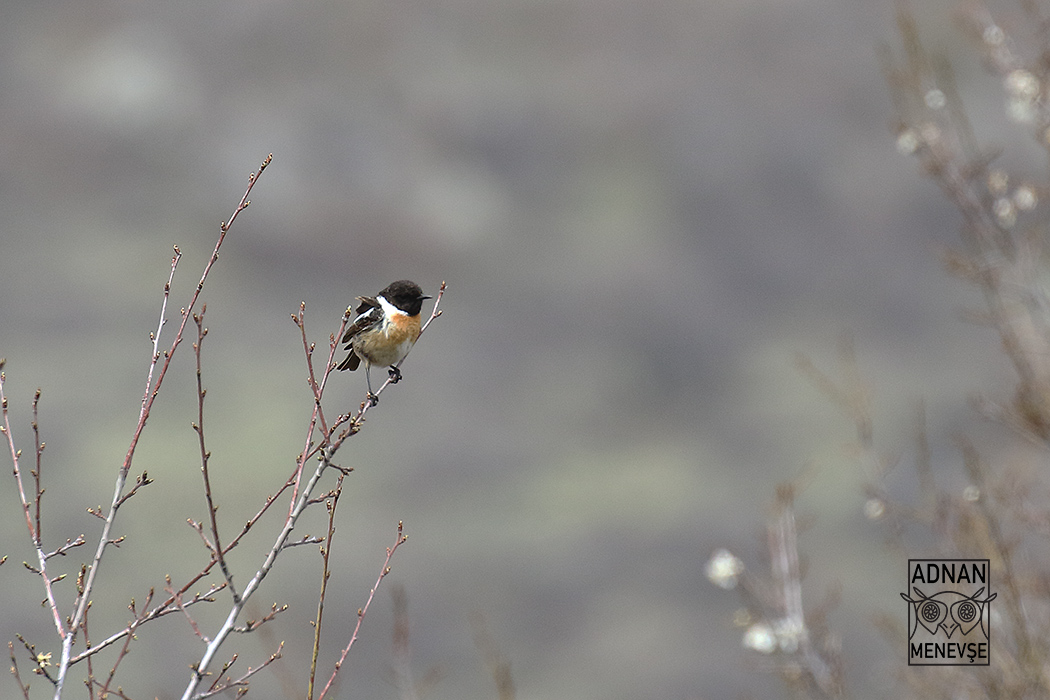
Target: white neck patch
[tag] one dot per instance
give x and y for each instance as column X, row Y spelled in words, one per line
column 389, row 310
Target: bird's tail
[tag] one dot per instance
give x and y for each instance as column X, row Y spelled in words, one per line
column 351, row 362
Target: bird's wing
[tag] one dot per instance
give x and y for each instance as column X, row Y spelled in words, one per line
column 366, row 304
column 369, row 314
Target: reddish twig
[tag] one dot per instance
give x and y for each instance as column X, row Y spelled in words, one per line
column 104, row 689
column 31, row 523
column 215, row 545
column 36, row 473
column 90, row 680
column 152, row 388
column 168, row 606
column 326, row 551
column 401, row 539
column 24, row 687
column 177, row 597
column 253, row 625
column 241, row 683
column 316, row 388
column 40, row 660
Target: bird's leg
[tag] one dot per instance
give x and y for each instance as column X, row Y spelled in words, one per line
column 395, row 374
column 372, row 398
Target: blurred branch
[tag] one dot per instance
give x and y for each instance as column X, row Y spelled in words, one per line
column 800, row 647
column 1004, row 263
column 787, row 576
column 497, row 664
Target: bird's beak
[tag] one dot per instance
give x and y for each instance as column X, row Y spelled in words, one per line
column 425, row 296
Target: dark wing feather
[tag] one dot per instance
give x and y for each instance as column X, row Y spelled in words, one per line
column 369, row 313
column 366, row 304
column 350, row 363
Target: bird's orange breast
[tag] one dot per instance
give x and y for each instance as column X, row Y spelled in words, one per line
column 390, row 343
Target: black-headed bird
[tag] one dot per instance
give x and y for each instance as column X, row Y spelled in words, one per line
column 385, row 329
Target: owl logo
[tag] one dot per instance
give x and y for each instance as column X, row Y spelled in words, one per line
column 949, row 611
column 951, row 626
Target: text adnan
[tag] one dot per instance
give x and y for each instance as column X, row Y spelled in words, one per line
column 950, row 572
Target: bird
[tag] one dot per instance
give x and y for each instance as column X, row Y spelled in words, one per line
column 386, row 328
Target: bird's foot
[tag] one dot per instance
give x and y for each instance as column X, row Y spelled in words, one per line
column 395, row 375
column 373, row 400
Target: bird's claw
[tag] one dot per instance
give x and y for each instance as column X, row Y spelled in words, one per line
column 395, row 375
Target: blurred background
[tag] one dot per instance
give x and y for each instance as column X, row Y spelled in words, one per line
column 642, row 211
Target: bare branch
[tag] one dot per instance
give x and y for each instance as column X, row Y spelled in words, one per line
column 216, row 545
column 32, row 524
column 316, row 388
column 166, row 608
column 252, row 625
column 323, row 440
column 104, row 688
column 24, row 687
column 41, row 661
column 401, row 539
column 70, row 544
column 326, row 551
column 241, row 684
column 68, row 636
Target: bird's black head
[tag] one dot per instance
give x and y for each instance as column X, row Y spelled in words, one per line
column 405, row 295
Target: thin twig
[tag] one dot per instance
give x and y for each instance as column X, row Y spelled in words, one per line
column 24, row 687
column 326, row 550
column 31, row 524
column 150, row 395
column 205, row 455
column 37, row 472
column 253, row 625
column 316, row 388
column 401, row 539
column 168, row 606
column 201, row 668
column 241, row 683
column 70, row 544
column 104, row 687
